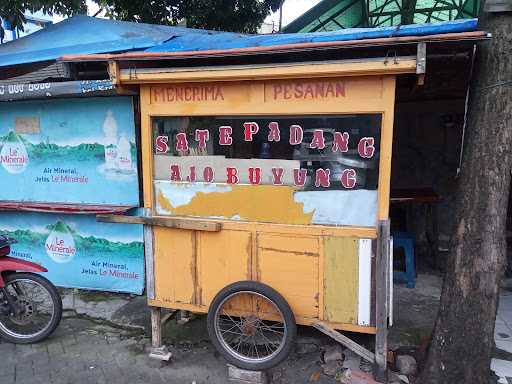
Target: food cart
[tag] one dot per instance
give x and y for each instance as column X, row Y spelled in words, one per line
column 266, row 188
column 266, row 197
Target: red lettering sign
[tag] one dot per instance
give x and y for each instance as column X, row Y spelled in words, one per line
column 323, row 178
column 250, row 129
column 299, row 177
column 296, row 134
column 278, row 175
column 340, row 142
column 308, row 90
column 208, row 174
column 366, row 147
column 255, row 175
column 273, row 134
column 318, row 140
column 225, row 135
column 232, row 175
column 175, row 173
column 348, row 178
column 189, row 93
column 202, row 136
column 181, row 142
column 161, row 144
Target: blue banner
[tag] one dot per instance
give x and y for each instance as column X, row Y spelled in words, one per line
column 78, row 251
column 75, row 151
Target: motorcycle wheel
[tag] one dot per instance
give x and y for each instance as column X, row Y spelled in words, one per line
column 39, row 308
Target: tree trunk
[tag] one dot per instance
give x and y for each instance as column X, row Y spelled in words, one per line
column 408, row 12
column 463, row 337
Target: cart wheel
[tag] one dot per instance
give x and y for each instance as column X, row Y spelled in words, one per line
column 251, row 325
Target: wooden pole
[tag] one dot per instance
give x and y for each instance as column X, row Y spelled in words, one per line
column 382, row 297
column 156, row 327
column 158, row 351
column 281, row 15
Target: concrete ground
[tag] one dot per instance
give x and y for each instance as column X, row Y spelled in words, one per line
column 102, row 339
column 114, row 349
column 502, row 363
column 415, row 311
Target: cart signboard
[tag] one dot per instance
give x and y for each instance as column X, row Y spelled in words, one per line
column 319, row 169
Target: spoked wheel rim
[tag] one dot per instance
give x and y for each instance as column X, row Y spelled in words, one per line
column 36, row 309
column 253, row 336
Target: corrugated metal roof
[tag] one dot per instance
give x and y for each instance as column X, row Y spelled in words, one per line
column 191, row 42
column 239, row 52
column 82, row 35
column 54, row 70
column 87, row 35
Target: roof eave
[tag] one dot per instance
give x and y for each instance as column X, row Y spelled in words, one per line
column 138, row 56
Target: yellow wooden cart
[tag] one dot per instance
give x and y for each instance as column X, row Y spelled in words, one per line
column 266, row 182
column 310, row 247
column 267, row 195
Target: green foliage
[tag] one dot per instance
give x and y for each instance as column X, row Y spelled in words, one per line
column 223, row 15
column 26, row 237
column 227, row 15
column 42, row 150
column 12, row 10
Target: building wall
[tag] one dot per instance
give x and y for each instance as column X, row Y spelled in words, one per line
column 426, row 153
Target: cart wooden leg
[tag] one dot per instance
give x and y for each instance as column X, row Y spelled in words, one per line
column 345, row 341
column 382, row 307
column 158, row 351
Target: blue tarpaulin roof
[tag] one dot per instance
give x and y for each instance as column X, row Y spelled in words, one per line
column 81, row 35
column 191, row 42
column 87, row 35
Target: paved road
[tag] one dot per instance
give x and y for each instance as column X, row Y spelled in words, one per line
column 82, row 351
column 502, row 363
column 85, row 351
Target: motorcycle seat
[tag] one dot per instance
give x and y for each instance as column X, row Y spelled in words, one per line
column 5, row 245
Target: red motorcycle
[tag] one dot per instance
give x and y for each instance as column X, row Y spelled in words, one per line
column 30, row 305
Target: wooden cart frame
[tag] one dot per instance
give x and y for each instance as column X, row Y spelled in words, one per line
column 181, row 250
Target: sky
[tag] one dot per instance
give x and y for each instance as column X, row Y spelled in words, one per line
column 291, row 10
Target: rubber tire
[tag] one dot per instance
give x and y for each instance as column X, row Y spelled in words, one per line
column 56, row 300
column 280, row 302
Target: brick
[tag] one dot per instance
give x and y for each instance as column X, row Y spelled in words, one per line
column 6, row 348
column 7, row 379
column 6, row 369
column 55, row 349
column 241, row 376
column 23, row 373
column 42, row 358
column 40, row 347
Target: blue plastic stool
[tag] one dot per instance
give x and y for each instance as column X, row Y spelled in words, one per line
column 405, row 240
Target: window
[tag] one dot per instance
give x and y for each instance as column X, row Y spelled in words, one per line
column 330, row 163
column 308, row 152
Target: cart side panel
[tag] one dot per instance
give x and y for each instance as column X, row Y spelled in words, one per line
column 224, row 258
column 175, row 265
column 341, row 279
column 289, row 264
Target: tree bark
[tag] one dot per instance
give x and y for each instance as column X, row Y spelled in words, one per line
column 408, row 12
column 463, row 337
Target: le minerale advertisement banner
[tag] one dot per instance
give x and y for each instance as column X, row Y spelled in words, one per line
column 78, row 251
column 76, row 151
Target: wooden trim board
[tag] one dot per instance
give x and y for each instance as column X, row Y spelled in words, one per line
column 163, row 221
